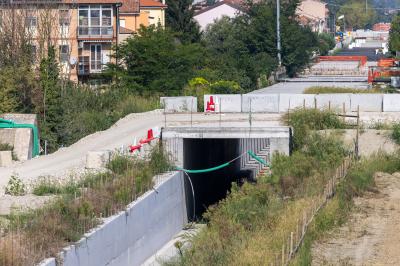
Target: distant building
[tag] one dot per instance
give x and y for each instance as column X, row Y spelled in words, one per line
column 82, row 31
column 313, row 13
column 209, row 15
column 381, row 27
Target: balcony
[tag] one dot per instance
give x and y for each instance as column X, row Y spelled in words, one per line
column 95, row 32
column 87, row 66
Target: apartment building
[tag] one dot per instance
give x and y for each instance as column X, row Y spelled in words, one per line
column 313, row 13
column 82, row 31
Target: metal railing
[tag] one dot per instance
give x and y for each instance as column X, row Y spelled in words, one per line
column 95, row 32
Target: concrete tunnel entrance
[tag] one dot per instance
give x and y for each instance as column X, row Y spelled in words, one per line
column 198, row 148
column 213, row 186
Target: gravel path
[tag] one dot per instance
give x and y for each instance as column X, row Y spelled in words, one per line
column 371, row 236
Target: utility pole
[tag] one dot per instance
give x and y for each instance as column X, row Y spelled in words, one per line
column 278, row 31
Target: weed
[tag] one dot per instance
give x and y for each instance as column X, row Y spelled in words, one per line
column 325, row 90
column 396, row 133
column 15, row 186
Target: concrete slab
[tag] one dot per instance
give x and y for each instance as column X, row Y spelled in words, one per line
column 226, row 103
column 335, row 101
column 367, row 102
column 294, row 101
column 391, row 103
column 260, row 103
column 179, row 104
column 5, row 158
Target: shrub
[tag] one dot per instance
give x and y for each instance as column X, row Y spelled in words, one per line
column 396, row 133
column 305, row 120
column 323, row 90
column 15, row 186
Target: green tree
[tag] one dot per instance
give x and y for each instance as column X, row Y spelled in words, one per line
column 51, row 110
column 154, row 59
column 326, row 42
column 179, row 18
column 8, row 92
column 355, row 15
column 394, row 37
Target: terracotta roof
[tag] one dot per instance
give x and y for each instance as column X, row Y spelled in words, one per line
column 123, row 30
column 129, row 6
column 152, row 4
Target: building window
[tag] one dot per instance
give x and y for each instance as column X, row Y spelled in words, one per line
column 31, row 19
column 122, row 22
column 64, row 53
column 95, row 20
column 95, row 58
column 63, row 17
column 95, row 16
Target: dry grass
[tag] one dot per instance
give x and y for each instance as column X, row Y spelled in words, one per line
column 33, row 236
column 325, row 90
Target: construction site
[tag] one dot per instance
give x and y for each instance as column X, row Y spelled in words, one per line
column 233, row 140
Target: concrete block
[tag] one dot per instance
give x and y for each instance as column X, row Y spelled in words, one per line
column 48, row 262
column 335, row 100
column 367, row 102
column 391, row 102
column 179, row 104
column 228, row 103
column 294, row 101
column 97, row 159
column 5, row 158
column 260, row 103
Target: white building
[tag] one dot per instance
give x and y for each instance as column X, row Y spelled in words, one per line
column 210, row 14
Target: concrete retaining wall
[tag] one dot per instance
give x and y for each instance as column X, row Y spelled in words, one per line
column 20, row 138
column 130, row 237
column 274, row 103
column 226, row 103
column 335, row 101
column 391, row 103
column 294, row 101
column 179, row 104
column 367, row 102
column 260, row 103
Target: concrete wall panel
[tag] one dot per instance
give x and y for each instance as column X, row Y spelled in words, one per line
column 336, row 101
column 294, row 101
column 132, row 236
column 367, row 102
column 179, row 104
column 391, row 103
column 229, row 103
column 260, row 103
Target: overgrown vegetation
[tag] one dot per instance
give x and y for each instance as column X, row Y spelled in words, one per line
column 396, row 133
column 323, row 90
column 303, row 121
column 359, row 179
column 77, row 208
column 15, row 186
column 250, row 224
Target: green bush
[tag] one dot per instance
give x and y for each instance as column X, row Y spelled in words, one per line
column 396, row 133
column 15, row 186
column 304, row 121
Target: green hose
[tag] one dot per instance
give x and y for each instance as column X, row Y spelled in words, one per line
column 203, row 170
column 10, row 124
column 258, row 159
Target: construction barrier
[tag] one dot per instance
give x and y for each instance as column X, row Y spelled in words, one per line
column 362, row 59
column 179, row 104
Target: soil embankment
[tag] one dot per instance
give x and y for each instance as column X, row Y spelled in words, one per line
column 371, row 235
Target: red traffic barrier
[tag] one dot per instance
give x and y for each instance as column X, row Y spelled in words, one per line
column 150, row 137
column 210, row 105
column 135, row 148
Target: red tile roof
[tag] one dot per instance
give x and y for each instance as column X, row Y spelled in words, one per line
column 152, row 4
column 129, row 6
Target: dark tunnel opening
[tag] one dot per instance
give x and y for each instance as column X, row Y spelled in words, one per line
column 211, row 187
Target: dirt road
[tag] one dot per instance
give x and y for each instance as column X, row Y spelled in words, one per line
column 372, row 234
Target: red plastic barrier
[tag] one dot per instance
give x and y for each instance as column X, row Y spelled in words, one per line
column 363, row 59
column 210, row 105
column 150, row 137
column 134, row 148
